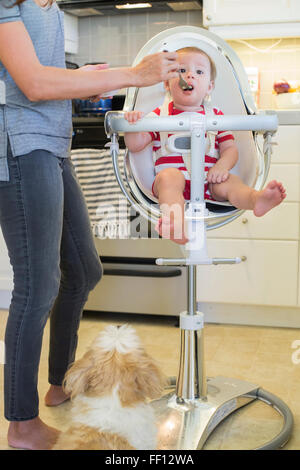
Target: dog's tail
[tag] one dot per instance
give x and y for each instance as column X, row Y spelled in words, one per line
column 123, row 339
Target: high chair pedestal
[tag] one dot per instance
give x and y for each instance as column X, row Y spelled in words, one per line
column 186, row 419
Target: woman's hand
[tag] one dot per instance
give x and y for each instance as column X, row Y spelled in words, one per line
column 155, row 68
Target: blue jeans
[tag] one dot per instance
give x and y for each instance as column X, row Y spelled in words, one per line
column 47, row 231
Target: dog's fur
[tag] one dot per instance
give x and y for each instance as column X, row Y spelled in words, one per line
column 109, row 387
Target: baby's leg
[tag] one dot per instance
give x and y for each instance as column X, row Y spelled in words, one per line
column 244, row 197
column 168, row 188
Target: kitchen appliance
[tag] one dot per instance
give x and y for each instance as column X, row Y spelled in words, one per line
column 90, row 108
column 88, row 124
column 104, row 7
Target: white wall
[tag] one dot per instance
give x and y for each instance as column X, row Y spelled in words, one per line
column 117, row 39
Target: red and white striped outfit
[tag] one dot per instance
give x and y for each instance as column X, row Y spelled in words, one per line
column 176, row 160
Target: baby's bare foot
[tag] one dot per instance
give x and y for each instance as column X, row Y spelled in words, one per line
column 172, row 231
column 272, row 195
column 55, row 396
column 33, row 434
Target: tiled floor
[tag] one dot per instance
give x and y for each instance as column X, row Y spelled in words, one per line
column 256, row 354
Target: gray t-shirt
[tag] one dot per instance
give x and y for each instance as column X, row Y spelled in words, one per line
column 30, row 125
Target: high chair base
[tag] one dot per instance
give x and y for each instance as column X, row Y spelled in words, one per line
column 185, row 419
column 186, row 424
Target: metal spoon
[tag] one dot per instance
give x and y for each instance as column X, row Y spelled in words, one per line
column 183, row 84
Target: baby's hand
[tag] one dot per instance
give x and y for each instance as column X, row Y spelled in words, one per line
column 133, row 116
column 217, row 174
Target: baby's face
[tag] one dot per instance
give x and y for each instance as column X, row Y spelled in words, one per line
column 195, row 69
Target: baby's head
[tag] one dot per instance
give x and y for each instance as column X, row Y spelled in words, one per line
column 199, row 71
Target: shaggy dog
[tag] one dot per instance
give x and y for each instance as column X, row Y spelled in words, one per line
column 109, row 387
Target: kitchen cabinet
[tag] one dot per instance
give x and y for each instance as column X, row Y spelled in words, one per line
column 269, row 275
column 282, row 223
column 71, row 33
column 242, row 19
column 289, row 140
column 233, row 12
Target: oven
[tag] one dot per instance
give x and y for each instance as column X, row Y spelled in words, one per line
column 132, row 282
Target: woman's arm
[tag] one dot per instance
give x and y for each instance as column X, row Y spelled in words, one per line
column 39, row 82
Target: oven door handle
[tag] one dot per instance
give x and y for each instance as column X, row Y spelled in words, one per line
column 139, row 271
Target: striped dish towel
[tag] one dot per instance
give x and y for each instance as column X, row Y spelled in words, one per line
column 108, row 208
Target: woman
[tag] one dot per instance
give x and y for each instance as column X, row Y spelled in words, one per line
column 42, row 212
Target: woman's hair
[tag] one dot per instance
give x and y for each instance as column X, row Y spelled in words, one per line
column 18, row 2
column 213, row 71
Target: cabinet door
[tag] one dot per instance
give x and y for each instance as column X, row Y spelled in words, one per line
column 282, row 223
column 220, row 12
column 269, row 276
column 287, row 149
column 289, row 175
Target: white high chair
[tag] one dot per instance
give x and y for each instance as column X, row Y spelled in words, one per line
column 187, row 416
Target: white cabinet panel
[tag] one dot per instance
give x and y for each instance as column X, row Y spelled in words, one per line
column 221, row 12
column 282, row 223
column 269, row 276
column 289, row 175
column 288, row 148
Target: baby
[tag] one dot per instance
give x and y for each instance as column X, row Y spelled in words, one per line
column 172, row 182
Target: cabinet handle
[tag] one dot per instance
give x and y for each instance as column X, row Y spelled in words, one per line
column 244, row 258
column 244, row 220
column 208, row 17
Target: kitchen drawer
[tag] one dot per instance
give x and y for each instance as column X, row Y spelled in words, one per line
column 289, row 175
column 282, row 223
column 132, row 289
column 269, row 276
